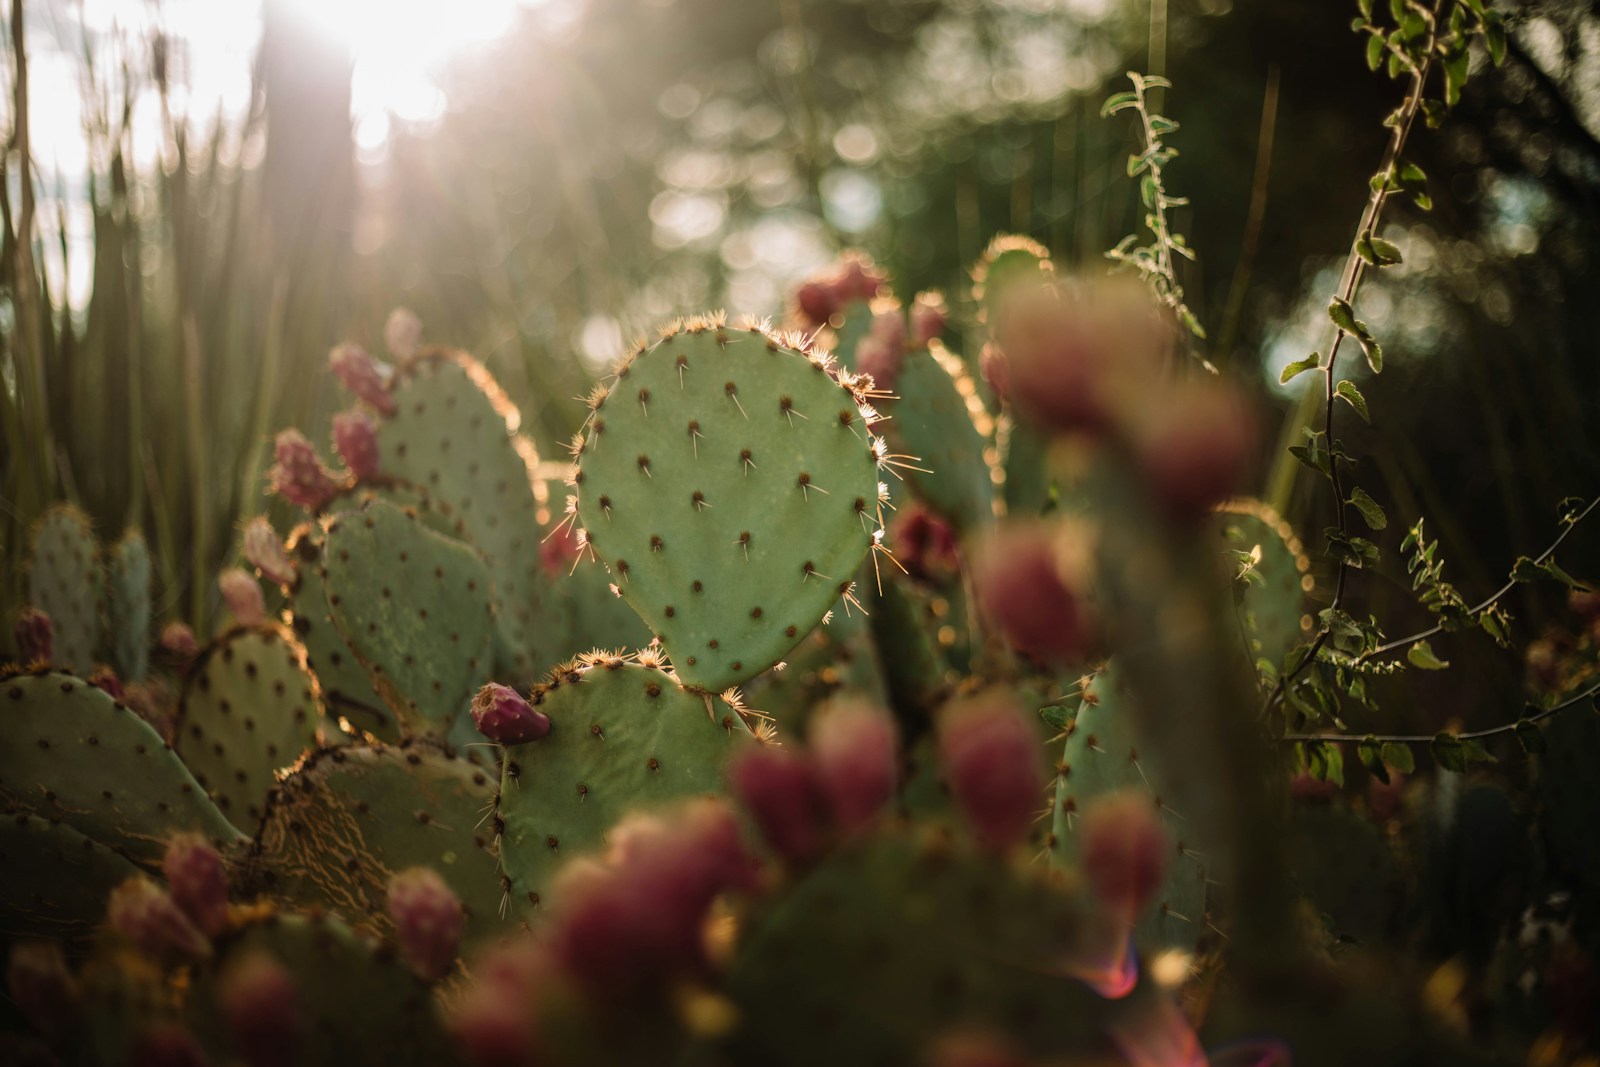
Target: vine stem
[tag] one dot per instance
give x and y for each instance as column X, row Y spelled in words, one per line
column 1422, row 739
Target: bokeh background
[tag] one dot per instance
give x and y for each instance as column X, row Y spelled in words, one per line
column 200, row 197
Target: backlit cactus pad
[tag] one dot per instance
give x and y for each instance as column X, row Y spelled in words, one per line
column 730, row 483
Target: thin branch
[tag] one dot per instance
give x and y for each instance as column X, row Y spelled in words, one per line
column 1473, row 735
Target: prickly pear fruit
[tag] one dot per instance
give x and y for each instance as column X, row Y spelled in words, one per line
column 177, row 639
column 929, row 315
column 366, row 377
column 1195, row 446
column 197, row 882
column 261, row 1005
column 299, row 476
column 781, row 790
column 264, row 549
column 854, row 745
column 242, row 593
column 991, row 758
column 41, row 986
column 428, row 921
column 504, row 716
column 105, row 679
column 1022, row 590
column 355, row 437
column 35, row 635
column 1124, row 851
column 146, row 915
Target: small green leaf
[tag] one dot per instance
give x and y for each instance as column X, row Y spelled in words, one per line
column 1386, row 253
column 1423, row 201
column 1372, row 512
column 1347, row 391
column 1364, row 250
column 1374, row 51
column 1299, row 367
column 1117, row 102
column 1326, row 762
column 1421, row 655
column 1342, row 314
column 1449, row 753
column 1494, row 36
column 1526, row 570
column 1374, row 353
column 1399, row 757
column 1056, row 716
column 1530, row 737
column 1371, row 754
column 1411, row 175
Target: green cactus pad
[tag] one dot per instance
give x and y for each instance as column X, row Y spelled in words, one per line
column 128, row 606
column 1103, row 756
column 414, row 607
column 453, row 434
column 1273, row 611
column 351, row 817
column 730, row 484
column 56, row 880
column 838, row 657
column 65, row 581
column 75, row 755
column 1025, row 457
column 358, row 1002
column 916, row 935
column 248, row 710
column 939, row 419
column 1009, row 260
column 593, row 617
column 623, row 736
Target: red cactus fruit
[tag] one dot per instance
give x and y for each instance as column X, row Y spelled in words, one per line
column 366, row 377
column 261, row 1005
column 1022, row 590
column 781, row 790
column 924, row 543
column 858, row 279
column 35, row 635
column 929, row 316
column 991, row 758
column 502, row 715
column 816, row 303
column 242, row 593
column 264, row 549
column 197, row 881
column 178, row 639
column 494, row 1029
column 299, row 476
column 355, row 438
column 428, row 921
column 880, row 359
column 167, row 1045
column 1195, row 446
column 41, row 986
column 147, row 916
column 1124, row 849
column 402, row 334
column 854, row 745
column 105, row 679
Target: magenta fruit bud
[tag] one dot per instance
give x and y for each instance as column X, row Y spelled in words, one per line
column 41, row 986
column 262, row 1007
column 105, row 679
column 881, row 360
column 167, row 1045
column 35, row 635
column 924, row 543
column 1124, row 850
column 494, row 1029
column 364, row 376
column 780, row 789
column 858, row 279
column 402, row 334
column 242, row 593
column 991, row 758
column 1021, row 590
column 146, row 915
column 1196, row 447
column 197, row 882
column 928, row 318
column 428, row 921
column 264, row 549
column 816, row 302
column 177, row 638
column 502, row 715
column 355, row 437
column 854, row 745
column 299, row 476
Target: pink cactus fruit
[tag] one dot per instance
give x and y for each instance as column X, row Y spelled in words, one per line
column 35, row 635
column 858, row 279
column 264, row 549
column 428, row 921
column 299, row 476
column 929, row 316
column 780, row 788
column 924, row 543
column 816, row 303
column 1023, row 590
column 242, row 593
column 147, row 916
column 854, row 745
column 355, row 438
column 992, row 762
column 197, row 881
column 178, row 639
column 366, row 377
column 41, row 986
column 494, row 1029
column 502, row 715
column 105, row 679
column 167, row 1045
column 1195, row 445
column 559, row 550
column 402, row 334
column 879, row 359
column 261, row 1006
column 1125, row 850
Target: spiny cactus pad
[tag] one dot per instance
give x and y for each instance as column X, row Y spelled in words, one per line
column 65, row 580
column 75, row 754
column 414, row 607
column 128, row 606
column 1274, row 609
column 1010, row 260
column 938, row 418
column 592, row 615
column 453, row 434
column 56, row 880
column 1103, row 756
column 730, row 484
column 248, row 710
column 349, row 818
column 623, row 736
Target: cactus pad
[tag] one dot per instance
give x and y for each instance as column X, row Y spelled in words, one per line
column 76, row 755
column 128, row 606
column 1274, row 609
column 414, row 608
column 730, row 484
column 65, row 581
column 56, row 880
column 248, row 710
column 623, row 736
column 938, row 418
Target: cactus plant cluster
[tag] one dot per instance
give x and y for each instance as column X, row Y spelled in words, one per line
column 855, row 706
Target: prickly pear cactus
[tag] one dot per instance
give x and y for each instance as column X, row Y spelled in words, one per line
column 76, row 755
column 248, row 710
column 350, row 817
column 624, row 735
column 1273, row 608
column 57, row 880
column 65, row 581
column 731, row 485
column 594, row 616
column 128, row 606
column 414, row 608
column 938, row 418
